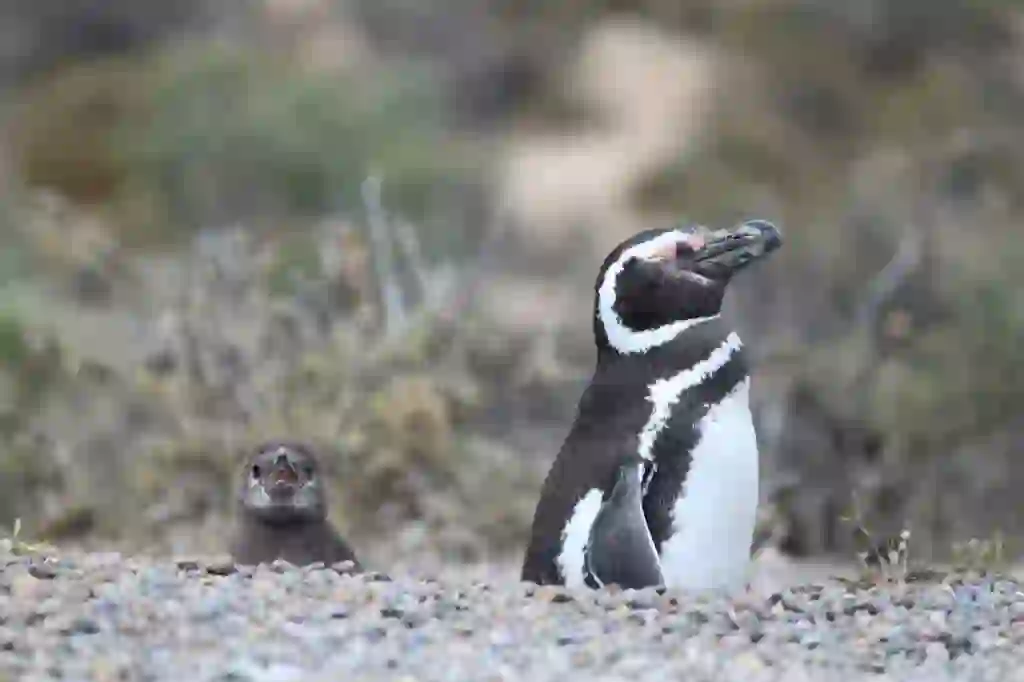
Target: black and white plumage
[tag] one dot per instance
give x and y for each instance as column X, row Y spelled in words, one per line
column 671, row 387
column 282, row 509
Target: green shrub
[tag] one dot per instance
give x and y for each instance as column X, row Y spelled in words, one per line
column 233, row 134
column 201, row 134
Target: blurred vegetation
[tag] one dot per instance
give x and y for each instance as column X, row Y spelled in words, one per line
column 234, row 134
column 204, row 133
column 885, row 136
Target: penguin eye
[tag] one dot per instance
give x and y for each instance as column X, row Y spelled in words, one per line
column 308, row 470
column 255, row 470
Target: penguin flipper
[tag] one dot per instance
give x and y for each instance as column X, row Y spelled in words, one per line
column 620, row 548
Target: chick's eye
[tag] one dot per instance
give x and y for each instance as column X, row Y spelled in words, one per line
column 308, row 470
column 255, row 470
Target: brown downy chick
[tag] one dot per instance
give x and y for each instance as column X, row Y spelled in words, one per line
column 282, row 510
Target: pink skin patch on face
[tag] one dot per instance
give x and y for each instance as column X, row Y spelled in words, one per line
column 696, row 242
column 693, row 242
column 667, row 252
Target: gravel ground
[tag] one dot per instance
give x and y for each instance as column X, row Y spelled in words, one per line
column 106, row 617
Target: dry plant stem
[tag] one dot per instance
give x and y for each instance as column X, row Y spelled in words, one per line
column 383, row 257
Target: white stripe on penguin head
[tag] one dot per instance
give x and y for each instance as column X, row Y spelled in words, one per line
column 621, row 337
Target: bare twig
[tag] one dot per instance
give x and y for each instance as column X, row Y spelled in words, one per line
column 383, row 257
column 408, row 241
column 880, row 289
column 442, row 292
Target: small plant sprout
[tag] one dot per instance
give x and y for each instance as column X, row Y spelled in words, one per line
column 16, row 545
column 887, row 559
column 982, row 556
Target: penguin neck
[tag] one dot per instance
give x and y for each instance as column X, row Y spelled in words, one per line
column 686, row 348
column 281, row 525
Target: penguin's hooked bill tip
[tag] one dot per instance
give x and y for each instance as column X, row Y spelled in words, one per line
column 768, row 232
column 735, row 248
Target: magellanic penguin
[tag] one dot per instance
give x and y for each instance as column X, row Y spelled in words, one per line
column 282, row 509
column 668, row 402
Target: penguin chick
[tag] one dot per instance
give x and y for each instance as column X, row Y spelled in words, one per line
column 282, row 509
column 620, row 548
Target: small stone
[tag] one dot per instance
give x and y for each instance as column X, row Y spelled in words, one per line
column 9, row 639
column 82, row 626
column 221, row 567
column 938, row 619
column 245, row 571
column 640, row 600
column 344, row 567
column 638, row 618
column 936, row 652
column 375, row 635
column 749, row 660
column 102, row 560
column 43, row 570
column 281, row 566
column 554, row 594
column 414, row 619
column 582, row 657
column 24, row 586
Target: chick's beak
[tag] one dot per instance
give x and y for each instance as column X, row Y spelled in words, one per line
column 284, row 477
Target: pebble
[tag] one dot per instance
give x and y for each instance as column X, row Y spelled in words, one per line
column 111, row 617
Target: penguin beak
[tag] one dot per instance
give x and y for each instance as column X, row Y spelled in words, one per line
column 726, row 252
column 284, row 477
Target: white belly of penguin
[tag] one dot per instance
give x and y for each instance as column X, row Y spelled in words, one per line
column 713, row 518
